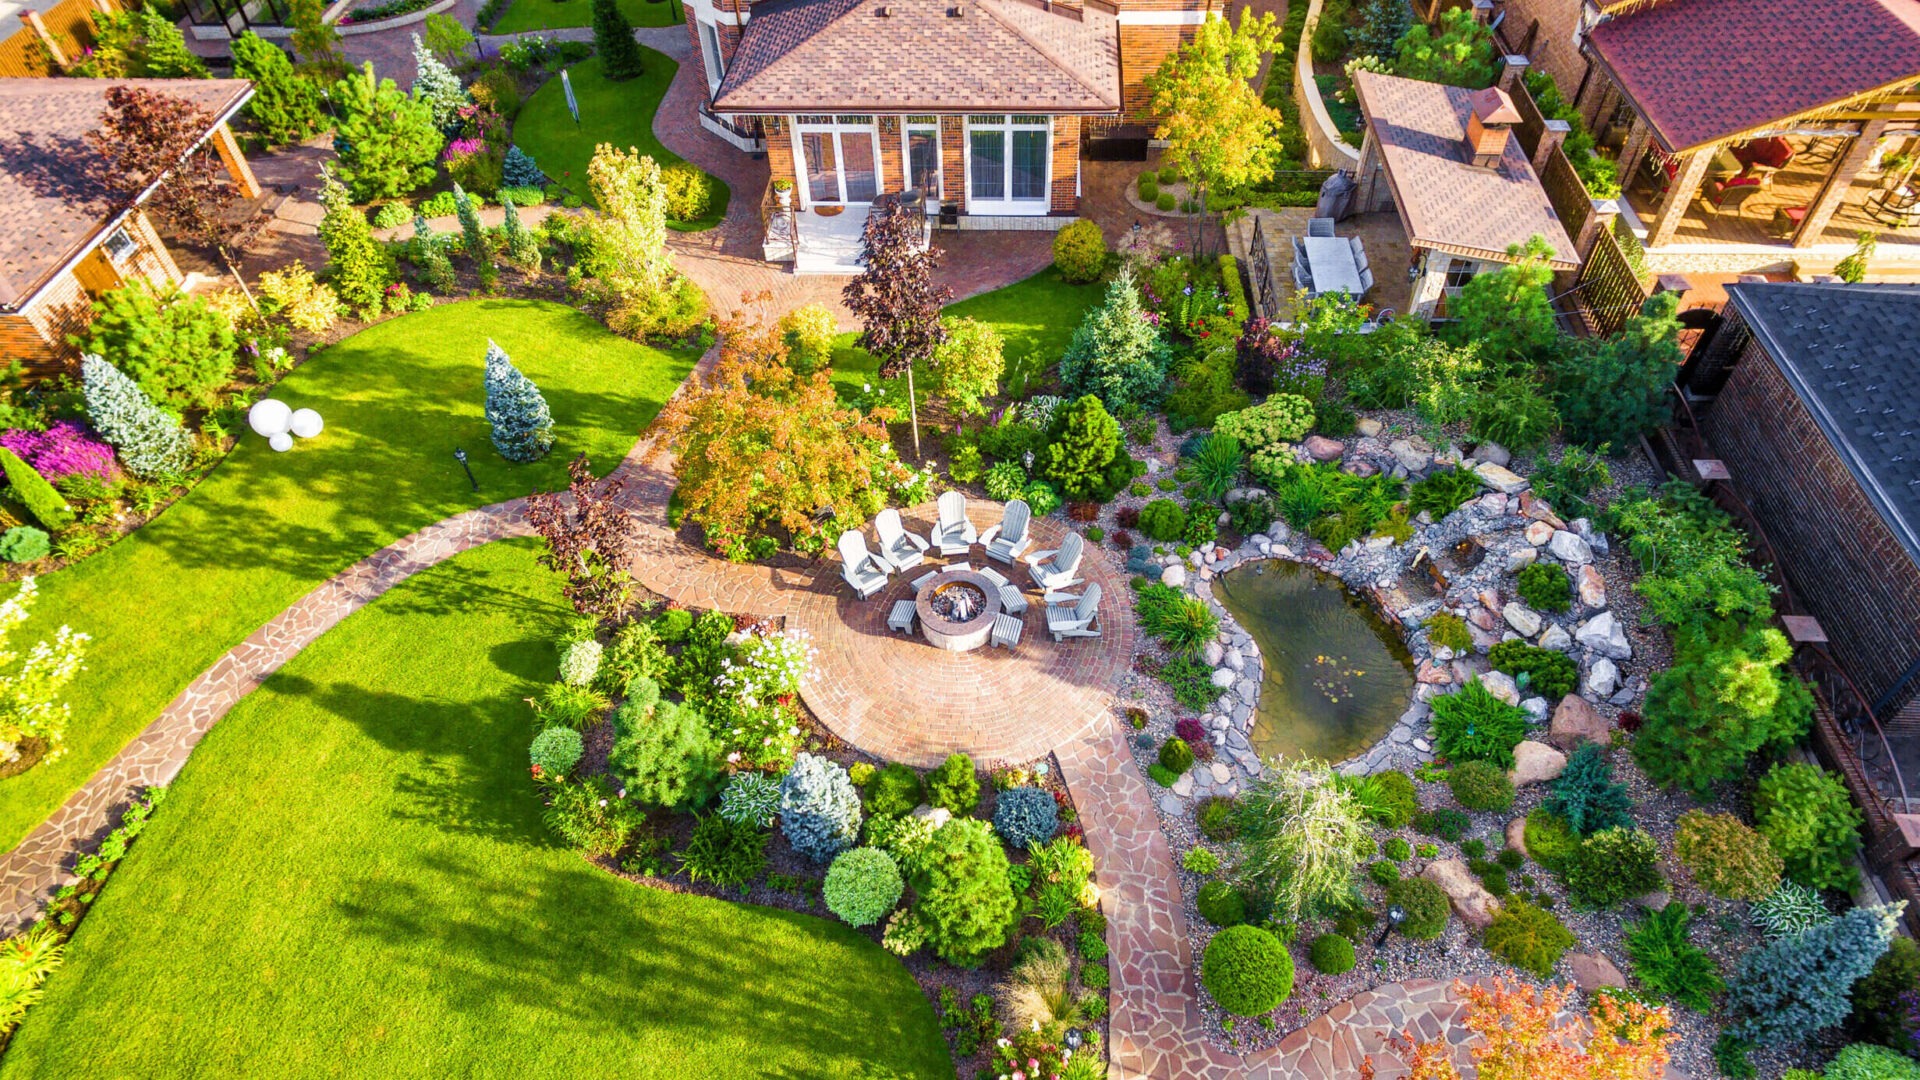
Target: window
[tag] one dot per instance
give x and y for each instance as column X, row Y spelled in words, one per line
column 1008, row 163
column 923, row 156
column 1459, row 272
column 839, row 158
column 118, row 245
column 710, row 52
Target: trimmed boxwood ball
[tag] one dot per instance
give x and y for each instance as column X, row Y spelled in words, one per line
column 1480, row 786
column 1221, row 904
column 1331, row 954
column 894, row 790
column 1080, row 252
column 1163, row 519
column 1247, row 970
column 862, row 886
column 1025, row 816
column 1176, row 756
column 555, row 752
column 1425, row 904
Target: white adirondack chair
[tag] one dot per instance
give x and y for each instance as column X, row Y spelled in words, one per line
column 900, row 549
column 1053, row 570
column 1078, row 616
column 861, row 568
column 954, row 534
column 1011, row 538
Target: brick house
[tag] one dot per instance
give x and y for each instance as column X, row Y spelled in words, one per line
column 1806, row 402
column 61, row 243
column 853, row 99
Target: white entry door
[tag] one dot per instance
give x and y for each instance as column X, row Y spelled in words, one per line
column 839, row 159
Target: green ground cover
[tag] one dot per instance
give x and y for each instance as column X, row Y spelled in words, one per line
column 265, row 528
column 618, row 113
column 351, row 878
column 1037, row 317
column 560, row 14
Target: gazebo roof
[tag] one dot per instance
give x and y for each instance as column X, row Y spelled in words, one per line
column 1701, row 71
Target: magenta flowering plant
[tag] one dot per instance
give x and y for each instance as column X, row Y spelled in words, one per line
column 62, row 450
column 460, row 148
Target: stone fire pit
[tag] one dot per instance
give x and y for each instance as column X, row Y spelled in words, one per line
column 957, row 609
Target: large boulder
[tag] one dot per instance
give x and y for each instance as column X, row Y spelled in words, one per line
column 1174, row 576
column 1593, row 588
column 1603, row 635
column 1591, row 971
column 1603, row 679
column 1569, row 548
column 1556, row 638
column 1535, row 763
column 1324, row 449
column 1470, row 899
column 1501, row 685
column 1539, row 533
column 1517, row 835
column 1494, row 452
column 1575, row 721
column 1499, row 478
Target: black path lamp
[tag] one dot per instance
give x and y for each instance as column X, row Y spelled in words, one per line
column 461, row 457
column 1395, row 916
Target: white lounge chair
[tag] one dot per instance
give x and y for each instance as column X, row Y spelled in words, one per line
column 1011, row 538
column 901, row 549
column 861, row 568
column 921, row 581
column 1058, row 569
column 954, row 534
column 1079, row 619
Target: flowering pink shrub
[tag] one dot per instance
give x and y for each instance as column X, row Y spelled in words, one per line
column 460, row 148
column 62, row 450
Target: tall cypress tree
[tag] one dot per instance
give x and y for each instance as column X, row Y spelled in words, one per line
column 613, row 40
column 522, row 248
column 522, row 426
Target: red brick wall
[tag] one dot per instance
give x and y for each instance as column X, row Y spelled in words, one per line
column 779, row 149
column 1552, row 50
column 1142, row 48
column 37, row 337
column 1066, row 165
column 1841, row 559
column 892, row 148
column 953, row 159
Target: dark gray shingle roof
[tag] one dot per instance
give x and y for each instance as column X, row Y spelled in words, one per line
column 1852, row 353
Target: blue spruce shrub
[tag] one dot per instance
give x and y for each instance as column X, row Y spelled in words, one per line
column 519, row 170
column 1024, row 816
column 522, row 426
column 819, row 808
column 148, row 441
column 1794, row 987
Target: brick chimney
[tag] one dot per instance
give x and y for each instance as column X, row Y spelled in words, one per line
column 1489, row 126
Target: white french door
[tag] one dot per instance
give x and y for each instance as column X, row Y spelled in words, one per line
column 1009, row 163
column 839, row 159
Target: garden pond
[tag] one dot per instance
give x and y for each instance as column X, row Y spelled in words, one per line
column 1336, row 674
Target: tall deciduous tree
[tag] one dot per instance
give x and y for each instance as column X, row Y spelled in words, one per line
column 448, row 37
column 761, row 446
column 1217, row 129
column 286, row 103
column 613, row 40
column 629, row 252
column 386, row 140
column 896, row 299
column 590, row 538
column 970, row 362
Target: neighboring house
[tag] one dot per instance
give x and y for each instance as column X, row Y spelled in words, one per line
column 1808, row 404
column 981, row 105
column 62, row 243
column 1447, row 161
column 1751, row 134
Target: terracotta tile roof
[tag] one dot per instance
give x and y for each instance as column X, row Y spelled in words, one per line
column 996, row 56
column 1847, row 351
column 1446, row 202
column 48, row 212
column 1702, row 70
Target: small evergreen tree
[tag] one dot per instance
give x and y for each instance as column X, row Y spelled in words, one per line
column 358, row 267
column 1462, row 54
column 386, row 141
column 1509, row 311
column 33, row 492
column 1116, row 354
column 179, row 348
column 286, row 103
column 315, row 39
column 1382, row 23
column 519, row 170
column 429, row 255
column 448, row 37
column 613, row 40
column 473, row 236
column 149, row 442
column 1077, row 458
column 522, row 426
column 1616, row 390
column 1799, row 986
column 522, row 248
column 665, row 755
column 1724, row 697
column 819, row 808
column 966, row 895
column 434, row 84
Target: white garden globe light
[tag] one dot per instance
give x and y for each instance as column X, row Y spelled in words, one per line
column 280, row 441
column 269, row 417
column 305, row 423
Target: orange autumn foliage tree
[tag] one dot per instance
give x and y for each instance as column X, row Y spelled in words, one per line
column 761, row 448
column 1521, row 1039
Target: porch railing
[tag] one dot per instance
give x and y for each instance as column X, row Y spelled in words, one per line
column 1609, row 291
column 775, row 219
column 1262, row 272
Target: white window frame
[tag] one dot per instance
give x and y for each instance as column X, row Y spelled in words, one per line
column 119, row 245
column 840, row 131
column 909, row 125
column 715, row 62
column 1007, row 124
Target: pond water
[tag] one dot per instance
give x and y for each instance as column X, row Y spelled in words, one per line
column 1337, row 675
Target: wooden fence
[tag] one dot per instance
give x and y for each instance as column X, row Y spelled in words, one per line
column 71, row 24
column 1566, row 192
column 1610, row 290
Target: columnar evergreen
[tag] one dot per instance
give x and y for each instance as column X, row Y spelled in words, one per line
column 473, row 238
column 150, row 442
column 613, row 40
column 522, row 426
column 522, row 248
column 434, row 84
column 358, row 267
column 429, row 255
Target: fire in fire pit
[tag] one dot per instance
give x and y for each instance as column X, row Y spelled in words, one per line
column 956, row 601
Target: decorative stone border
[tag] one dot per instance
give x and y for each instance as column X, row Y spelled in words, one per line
column 411, row 17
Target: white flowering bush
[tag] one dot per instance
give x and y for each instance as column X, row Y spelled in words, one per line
column 760, row 737
column 751, row 798
column 580, row 664
column 30, row 705
column 915, row 487
column 772, row 665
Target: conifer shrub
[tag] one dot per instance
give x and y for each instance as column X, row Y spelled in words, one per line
column 1727, row 858
column 1426, row 906
column 953, row 786
column 148, row 441
column 966, row 897
column 1025, row 816
column 894, row 790
column 1789, row 990
column 862, row 886
column 32, row 490
column 522, row 426
column 1247, row 970
column 819, row 808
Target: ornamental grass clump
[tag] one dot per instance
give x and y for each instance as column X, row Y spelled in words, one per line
column 862, row 886
column 1300, row 832
column 1039, row 989
column 819, row 808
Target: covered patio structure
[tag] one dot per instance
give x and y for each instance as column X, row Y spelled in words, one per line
column 1762, row 130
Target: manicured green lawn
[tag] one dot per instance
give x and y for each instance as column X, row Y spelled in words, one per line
column 265, row 528
column 560, row 14
column 351, row 878
column 618, row 113
column 1037, row 317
